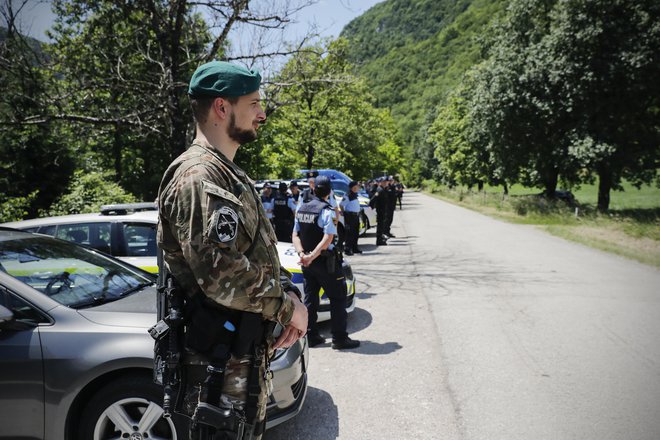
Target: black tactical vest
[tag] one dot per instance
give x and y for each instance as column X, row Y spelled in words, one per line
column 311, row 233
column 281, row 211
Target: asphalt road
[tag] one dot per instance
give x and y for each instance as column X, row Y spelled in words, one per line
column 473, row 328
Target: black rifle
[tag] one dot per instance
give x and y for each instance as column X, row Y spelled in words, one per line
column 168, row 334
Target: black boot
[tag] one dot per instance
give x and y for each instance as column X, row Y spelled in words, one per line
column 344, row 344
column 314, row 339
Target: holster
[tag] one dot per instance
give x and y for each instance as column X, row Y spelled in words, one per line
column 208, row 325
column 209, row 419
column 330, row 261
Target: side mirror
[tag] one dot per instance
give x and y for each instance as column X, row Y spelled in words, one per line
column 6, row 317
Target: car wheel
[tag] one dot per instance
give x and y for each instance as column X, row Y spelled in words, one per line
column 364, row 224
column 127, row 408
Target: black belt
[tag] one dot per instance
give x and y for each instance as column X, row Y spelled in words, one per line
column 348, row 214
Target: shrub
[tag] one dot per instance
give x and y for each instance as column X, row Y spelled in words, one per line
column 16, row 208
column 87, row 192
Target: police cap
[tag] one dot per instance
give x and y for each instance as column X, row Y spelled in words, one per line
column 220, row 78
column 293, row 183
column 282, row 186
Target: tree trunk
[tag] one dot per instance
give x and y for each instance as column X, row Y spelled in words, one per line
column 604, row 188
column 311, row 150
column 480, row 185
column 310, row 157
column 505, row 188
column 550, row 183
column 116, row 151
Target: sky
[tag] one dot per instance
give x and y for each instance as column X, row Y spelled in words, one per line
column 330, row 16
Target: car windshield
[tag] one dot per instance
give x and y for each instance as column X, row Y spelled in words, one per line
column 339, row 187
column 70, row 274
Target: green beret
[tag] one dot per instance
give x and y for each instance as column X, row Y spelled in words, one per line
column 220, row 78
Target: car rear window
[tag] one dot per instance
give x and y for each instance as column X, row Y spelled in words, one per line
column 140, row 240
column 96, row 235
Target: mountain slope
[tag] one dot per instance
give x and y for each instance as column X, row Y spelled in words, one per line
column 413, row 52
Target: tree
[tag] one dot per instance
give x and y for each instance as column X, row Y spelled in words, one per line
column 514, row 107
column 462, row 159
column 36, row 162
column 322, row 116
column 122, row 69
column 604, row 56
column 87, row 192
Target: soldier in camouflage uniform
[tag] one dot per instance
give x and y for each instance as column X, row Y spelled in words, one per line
column 213, row 231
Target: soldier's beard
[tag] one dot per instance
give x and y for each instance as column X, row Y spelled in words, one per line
column 238, row 134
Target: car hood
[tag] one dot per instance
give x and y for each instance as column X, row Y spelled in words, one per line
column 136, row 310
column 288, row 257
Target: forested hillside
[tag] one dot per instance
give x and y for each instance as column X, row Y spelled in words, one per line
column 537, row 92
column 412, row 52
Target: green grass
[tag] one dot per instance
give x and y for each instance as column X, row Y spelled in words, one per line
column 631, row 228
column 630, row 198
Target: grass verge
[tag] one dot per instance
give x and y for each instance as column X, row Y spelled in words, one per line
column 631, row 228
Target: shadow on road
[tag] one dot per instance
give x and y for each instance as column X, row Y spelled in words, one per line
column 358, row 320
column 364, row 295
column 318, row 419
column 377, row 348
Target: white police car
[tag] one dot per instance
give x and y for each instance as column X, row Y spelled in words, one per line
column 128, row 232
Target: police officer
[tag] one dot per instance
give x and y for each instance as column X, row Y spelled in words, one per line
column 350, row 205
column 313, row 234
column 295, row 195
column 282, row 214
column 379, row 201
column 267, row 200
column 308, row 193
column 399, row 192
column 217, row 241
column 390, row 190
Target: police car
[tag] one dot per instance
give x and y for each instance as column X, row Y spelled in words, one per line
column 128, row 232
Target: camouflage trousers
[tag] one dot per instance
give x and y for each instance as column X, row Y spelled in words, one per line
column 234, row 390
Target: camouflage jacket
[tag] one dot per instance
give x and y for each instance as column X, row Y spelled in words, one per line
column 215, row 235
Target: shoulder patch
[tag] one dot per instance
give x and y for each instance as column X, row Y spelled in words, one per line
column 214, row 189
column 226, row 224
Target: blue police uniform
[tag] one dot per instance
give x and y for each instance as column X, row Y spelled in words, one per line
column 351, row 206
column 293, row 203
column 314, row 219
